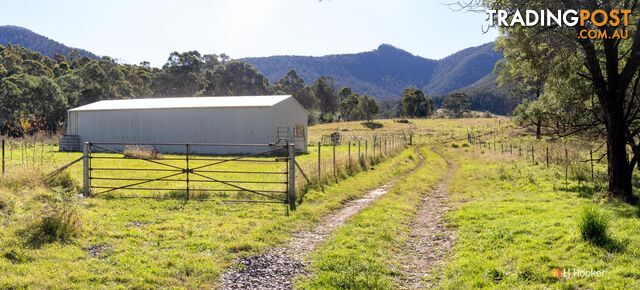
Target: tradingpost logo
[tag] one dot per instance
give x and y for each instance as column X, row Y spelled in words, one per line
column 591, row 21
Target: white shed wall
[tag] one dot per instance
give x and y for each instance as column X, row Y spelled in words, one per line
column 246, row 125
column 290, row 113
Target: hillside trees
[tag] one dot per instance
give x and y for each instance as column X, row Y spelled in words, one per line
column 39, row 89
column 289, row 84
column 608, row 65
column 457, row 104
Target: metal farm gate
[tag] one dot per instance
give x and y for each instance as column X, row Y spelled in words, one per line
column 267, row 176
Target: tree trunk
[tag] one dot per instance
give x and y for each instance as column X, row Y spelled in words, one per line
column 618, row 165
column 539, row 129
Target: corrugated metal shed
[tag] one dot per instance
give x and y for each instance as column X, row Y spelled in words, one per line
column 225, row 120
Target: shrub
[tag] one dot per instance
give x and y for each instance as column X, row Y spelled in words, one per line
column 63, row 180
column 593, row 225
column 454, row 145
column 57, row 222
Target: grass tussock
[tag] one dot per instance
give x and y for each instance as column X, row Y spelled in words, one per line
column 593, row 225
column 63, row 181
column 56, row 222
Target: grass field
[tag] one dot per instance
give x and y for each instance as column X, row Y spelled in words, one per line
column 516, row 220
column 149, row 243
column 516, row 224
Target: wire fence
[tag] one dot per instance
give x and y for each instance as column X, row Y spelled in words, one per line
column 323, row 164
column 579, row 161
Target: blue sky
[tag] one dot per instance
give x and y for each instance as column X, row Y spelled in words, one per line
column 137, row 30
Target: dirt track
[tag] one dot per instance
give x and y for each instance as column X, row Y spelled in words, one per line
column 429, row 238
column 276, row 268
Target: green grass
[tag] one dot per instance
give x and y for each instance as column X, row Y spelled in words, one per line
column 151, row 244
column 515, row 224
column 359, row 254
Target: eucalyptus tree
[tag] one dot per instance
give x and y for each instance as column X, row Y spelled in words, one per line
column 607, row 65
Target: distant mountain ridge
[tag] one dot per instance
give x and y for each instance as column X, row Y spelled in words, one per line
column 382, row 73
column 387, row 70
column 16, row 35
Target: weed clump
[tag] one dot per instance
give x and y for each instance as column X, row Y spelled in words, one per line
column 593, row 225
column 57, row 222
column 7, row 204
column 23, row 177
column 64, row 181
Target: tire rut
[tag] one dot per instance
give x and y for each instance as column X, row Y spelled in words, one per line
column 276, row 268
column 429, row 239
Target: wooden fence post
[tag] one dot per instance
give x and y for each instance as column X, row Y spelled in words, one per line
column 374, row 148
column 349, row 154
column 359, row 155
column 366, row 148
column 385, row 145
column 335, row 175
column 319, row 167
column 533, row 156
column 566, row 169
column 547, row 156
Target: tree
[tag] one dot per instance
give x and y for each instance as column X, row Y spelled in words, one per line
column 349, row 106
column 325, row 91
column 306, row 97
column 182, row 75
column 457, row 104
column 236, row 78
column 368, row 107
column 37, row 91
column 416, row 104
column 344, row 94
column 289, row 84
column 608, row 65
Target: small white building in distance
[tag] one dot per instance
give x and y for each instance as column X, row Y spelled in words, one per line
column 175, row 122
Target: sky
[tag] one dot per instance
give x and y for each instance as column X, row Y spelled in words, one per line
column 146, row 30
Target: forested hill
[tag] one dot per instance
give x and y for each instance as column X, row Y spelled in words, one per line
column 387, row 70
column 28, row 39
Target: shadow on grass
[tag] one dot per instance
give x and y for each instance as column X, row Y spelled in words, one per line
column 372, row 125
column 610, row 244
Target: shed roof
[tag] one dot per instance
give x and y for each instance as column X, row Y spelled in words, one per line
column 183, row 102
